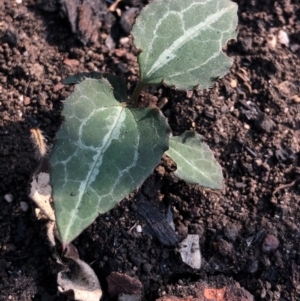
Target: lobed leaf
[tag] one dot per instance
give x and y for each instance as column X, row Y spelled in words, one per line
column 181, row 41
column 103, row 151
column 195, row 161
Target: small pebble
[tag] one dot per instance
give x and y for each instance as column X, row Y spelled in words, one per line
column 283, row 38
column 147, row 267
column 270, row 243
column 8, row 197
column 231, row 231
column 294, row 47
column 233, row 83
column 24, row 206
column 139, row 228
column 264, row 123
column 225, row 248
column 124, row 40
column 296, row 98
column 18, row 1
column 252, row 265
column 26, row 101
column 71, row 63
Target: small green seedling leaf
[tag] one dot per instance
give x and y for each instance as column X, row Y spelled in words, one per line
column 195, row 161
column 117, row 82
column 103, row 151
column 181, row 41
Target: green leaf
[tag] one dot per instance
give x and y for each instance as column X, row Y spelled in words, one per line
column 195, row 161
column 103, row 151
column 118, row 83
column 181, row 41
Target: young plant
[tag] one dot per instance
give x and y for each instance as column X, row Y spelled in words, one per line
column 108, row 146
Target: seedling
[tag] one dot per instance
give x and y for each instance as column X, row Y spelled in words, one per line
column 108, row 146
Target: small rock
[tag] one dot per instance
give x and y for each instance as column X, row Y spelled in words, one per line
column 296, row 98
column 295, row 47
column 233, row 83
column 71, row 62
column 270, row 243
column 24, row 206
column 18, row 1
column 231, row 231
column 147, row 267
column 124, row 40
column 121, row 283
column 26, row 101
column 8, row 198
column 139, row 228
column 264, row 122
column 283, row 38
column 252, row 265
column 225, row 248
column 10, row 37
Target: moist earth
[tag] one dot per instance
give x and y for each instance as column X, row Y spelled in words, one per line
column 249, row 232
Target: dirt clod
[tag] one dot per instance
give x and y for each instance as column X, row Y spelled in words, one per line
column 270, row 243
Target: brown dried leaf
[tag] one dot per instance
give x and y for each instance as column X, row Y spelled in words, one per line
column 78, row 281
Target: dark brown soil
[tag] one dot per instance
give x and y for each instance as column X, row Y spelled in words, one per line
column 251, row 120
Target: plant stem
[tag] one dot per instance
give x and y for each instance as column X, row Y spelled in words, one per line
column 137, row 91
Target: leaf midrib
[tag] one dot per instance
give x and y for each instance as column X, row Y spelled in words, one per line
column 78, row 203
column 191, row 164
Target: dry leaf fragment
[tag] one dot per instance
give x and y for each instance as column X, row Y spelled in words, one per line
column 40, row 193
column 190, row 251
column 78, row 281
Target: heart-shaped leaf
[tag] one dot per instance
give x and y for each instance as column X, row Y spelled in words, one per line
column 181, row 41
column 195, row 161
column 103, row 151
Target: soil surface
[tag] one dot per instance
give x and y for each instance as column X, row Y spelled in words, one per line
column 249, row 232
